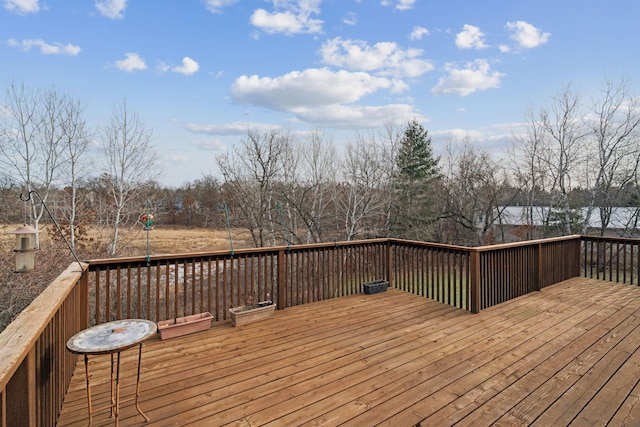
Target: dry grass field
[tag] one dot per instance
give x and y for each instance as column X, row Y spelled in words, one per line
column 161, row 240
column 183, row 240
column 17, row 290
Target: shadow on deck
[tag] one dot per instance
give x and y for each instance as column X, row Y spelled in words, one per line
column 567, row 354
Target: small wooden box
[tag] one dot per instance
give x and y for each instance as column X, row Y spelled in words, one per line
column 251, row 313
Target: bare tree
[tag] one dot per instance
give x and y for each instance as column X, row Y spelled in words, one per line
column 307, row 187
column 320, row 162
column 614, row 125
column 360, row 196
column 130, row 162
column 378, row 151
column 529, row 153
column 204, row 205
column 389, row 142
column 250, row 172
column 35, row 129
column 76, row 141
column 473, row 196
column 563, row 126
column 569, row 147
column 288, row 189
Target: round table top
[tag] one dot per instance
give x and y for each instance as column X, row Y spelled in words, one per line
column 112, row 337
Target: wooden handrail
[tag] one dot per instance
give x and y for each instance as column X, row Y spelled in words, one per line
column 96, row 263
column 526, row 243
column 17, row 340
column 33, row 352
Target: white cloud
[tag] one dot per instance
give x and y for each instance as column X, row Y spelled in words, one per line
column 473, row 77
column 22, row 7
column 405, row 4
column 232, row 128
column 350, row 18
column 504, row 48
column 526, row 35
column 45, row 48
column 216, row 6
column 348, row 116
column 399, row 4
column 111, row 8
column 494, row 138
column 290, row 17
column 320, row 96
column 457, row 134
column 418, row 33
column 311, row 87
column 132, row 62
column 210, row 144
column 384, row 58
column 470, row 38
column 188, row 67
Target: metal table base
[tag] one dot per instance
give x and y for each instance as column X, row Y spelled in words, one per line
column 112, row 338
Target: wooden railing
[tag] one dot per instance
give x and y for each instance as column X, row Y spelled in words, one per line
column 166, row 287
column 438, row 272
column 477, row 278
column 35, row 368
column 504, row 272
column 614, row 259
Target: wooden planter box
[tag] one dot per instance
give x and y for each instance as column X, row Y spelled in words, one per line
column 251, row 313
column 184, row 325
column 375, row 286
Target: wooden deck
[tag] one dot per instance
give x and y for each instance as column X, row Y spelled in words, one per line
column 568, row 355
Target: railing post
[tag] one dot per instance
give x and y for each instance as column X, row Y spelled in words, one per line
column 539, row 268
column 84, row 299
column 474, row 280
column 3, row 407
column 281, row 279
column 577, row 257
column 390, row 267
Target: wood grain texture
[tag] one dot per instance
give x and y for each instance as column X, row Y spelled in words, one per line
column 567, row 354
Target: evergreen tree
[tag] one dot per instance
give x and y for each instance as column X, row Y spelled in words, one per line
column 418, row 171
column 416, row 162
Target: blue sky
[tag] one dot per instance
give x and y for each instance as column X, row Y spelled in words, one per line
column 201, row 73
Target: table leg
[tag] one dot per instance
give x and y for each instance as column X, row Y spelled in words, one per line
column 111, row 397
column 138, row 383
column 117, row 389
column 86, row 374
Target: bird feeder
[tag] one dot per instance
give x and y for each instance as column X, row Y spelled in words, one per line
column 25, row 248
column 147, row 221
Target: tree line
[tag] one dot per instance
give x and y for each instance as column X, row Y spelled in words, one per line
column 578, row 157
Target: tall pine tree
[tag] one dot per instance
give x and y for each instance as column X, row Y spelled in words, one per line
column 418, row 172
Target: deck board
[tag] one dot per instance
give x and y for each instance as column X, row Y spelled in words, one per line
column 567, row 354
